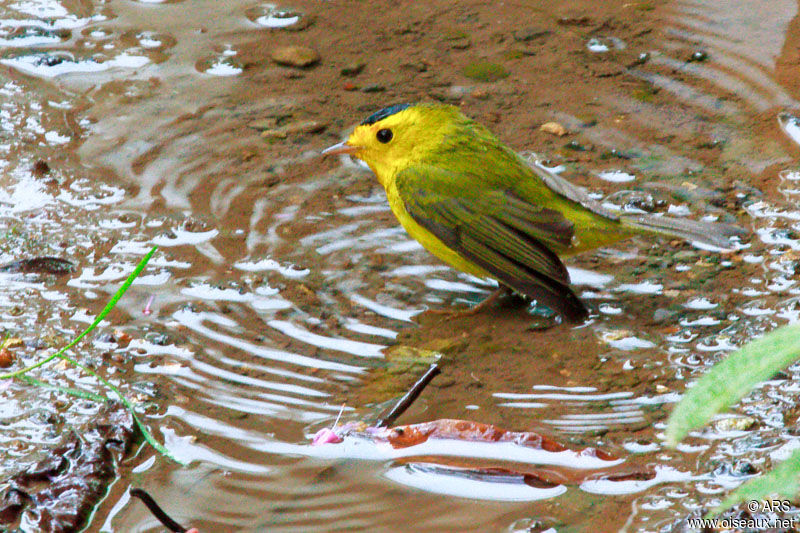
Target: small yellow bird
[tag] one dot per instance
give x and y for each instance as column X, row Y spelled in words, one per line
column 475, row 204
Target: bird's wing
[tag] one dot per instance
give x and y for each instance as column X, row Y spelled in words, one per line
column 495, row 229
column 571, row 191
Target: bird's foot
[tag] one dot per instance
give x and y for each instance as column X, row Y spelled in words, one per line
column 475, row 309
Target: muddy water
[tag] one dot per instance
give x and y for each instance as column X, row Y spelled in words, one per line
column 281, row 277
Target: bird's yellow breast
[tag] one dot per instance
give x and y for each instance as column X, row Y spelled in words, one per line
column 425, row 237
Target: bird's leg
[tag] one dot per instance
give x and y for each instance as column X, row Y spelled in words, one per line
column 477, row 308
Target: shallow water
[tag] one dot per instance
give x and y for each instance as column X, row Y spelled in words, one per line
column 281, row 278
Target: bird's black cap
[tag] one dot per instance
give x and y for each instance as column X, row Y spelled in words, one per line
column 383, row 113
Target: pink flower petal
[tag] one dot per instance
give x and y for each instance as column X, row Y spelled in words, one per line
column 325, row 436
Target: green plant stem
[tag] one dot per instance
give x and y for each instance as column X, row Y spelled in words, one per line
column 732, row 378
column 107, row 309
column 61, row 354
column 145, row 432
column 86, row 395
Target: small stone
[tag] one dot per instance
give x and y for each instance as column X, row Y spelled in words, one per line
column 447, row 345
column 698, row 57
column 455, row 35
column 663, row 315
column 554, row 128
column 309, row 126
column 13, row 342
column 353, row 69
column 295, row 128
column 485, row 71
column 350, row 86
column 578, row 147
column 530, row 33
column 710, row 144
column 122, row 338
column 685, row 255
column 737, row 423
column 295, row 56
column 444, row 383
column 6, row 358
column 40, row 168
column 661, row 389
column 575, row 19
column 442, row 96
column 645, row 93
column 263, row 124
column 513, row 54
column 458, row 91
column 277, row 133
column 606, row 69
column 373, row 88
column 418, row 66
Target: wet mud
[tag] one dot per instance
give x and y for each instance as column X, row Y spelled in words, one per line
column 60, row 492
column 284, row 287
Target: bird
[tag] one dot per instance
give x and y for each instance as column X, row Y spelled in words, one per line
column 477, row 205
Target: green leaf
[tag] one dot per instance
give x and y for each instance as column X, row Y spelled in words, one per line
column 732, row 378
column 783, row 480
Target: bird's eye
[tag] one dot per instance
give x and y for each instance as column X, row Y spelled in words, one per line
column 384, row 135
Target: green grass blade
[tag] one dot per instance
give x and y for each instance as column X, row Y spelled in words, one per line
column 732, row 378
column 783, row 480
column 86, row 395
column 107, row 309
column 129, row 406
column 20, row 374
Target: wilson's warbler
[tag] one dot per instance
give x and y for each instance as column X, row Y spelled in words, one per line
column 478, row 206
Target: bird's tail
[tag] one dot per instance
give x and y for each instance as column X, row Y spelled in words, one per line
column 710, row 233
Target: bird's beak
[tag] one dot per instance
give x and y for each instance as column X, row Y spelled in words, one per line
column 340, row 148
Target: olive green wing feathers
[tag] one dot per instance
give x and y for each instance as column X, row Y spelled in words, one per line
column 496, row 229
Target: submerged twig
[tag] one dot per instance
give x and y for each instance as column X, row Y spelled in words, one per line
column 409, row 397
column 157, row 511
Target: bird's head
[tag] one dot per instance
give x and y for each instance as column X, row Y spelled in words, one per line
column 400, row 135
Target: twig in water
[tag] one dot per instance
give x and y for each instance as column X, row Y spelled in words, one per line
column 409, row 397
column 157, row 511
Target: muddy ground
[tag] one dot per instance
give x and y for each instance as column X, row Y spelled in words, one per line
column 686, row 98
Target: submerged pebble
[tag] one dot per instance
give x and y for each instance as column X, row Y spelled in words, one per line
column 531, row 33
column 485, row 71
column 40, row 265
column 352, row 69
column 295, row 128
column 6, row 357
column 295, row 56
column 738, row 423
column 553, row 128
